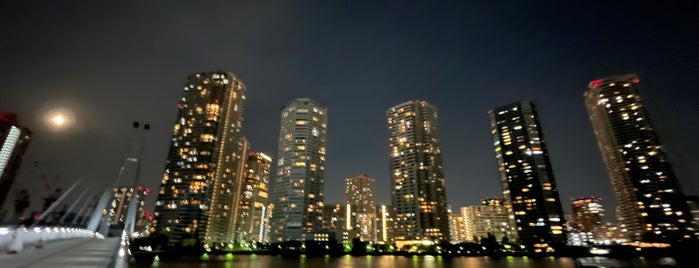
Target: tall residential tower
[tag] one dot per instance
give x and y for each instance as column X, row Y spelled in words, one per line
column 528, row 185
column 651, row 204
column 418, row 192
column 297, row 191
column 196, row 198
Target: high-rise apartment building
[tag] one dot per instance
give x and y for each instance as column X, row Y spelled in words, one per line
column 359, row 197
column 528, row 184
column 297, row 191
column 14, row 140
column 651, row 202
column 201, row 180
column 418, row 192
column 253, row 198
column 491, row 217
column 588, row 213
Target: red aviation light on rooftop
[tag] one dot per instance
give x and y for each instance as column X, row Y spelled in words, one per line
column 635, row 80
column 595, row 83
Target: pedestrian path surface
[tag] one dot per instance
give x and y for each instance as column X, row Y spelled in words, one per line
column 66, row 253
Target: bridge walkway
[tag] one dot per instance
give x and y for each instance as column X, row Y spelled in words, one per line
column 65, row 253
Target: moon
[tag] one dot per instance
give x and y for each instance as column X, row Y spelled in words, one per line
column 59, row 119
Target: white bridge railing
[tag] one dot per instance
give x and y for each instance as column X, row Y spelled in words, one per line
column 15, row 239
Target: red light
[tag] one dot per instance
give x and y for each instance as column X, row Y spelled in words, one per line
column 635, row 80
column 179, row 106
column 21, row 218
column 216, row 100
column 361, row 175
column 596, row 83
column 36, row 217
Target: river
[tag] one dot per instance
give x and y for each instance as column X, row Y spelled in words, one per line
column 260, row 261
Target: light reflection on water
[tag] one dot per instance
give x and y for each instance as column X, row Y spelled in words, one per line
column 260, row 261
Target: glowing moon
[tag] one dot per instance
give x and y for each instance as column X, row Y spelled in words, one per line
column 58, row 119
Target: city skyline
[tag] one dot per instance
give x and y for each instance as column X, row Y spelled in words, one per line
column 469, row 168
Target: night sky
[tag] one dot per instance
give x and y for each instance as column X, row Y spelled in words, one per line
column 112, row 63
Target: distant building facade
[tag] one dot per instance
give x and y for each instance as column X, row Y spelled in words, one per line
column 335, row 221
column 528, row 184
column 418, row 192
column 359, row 196
column 119, row 207
column 384, row 224
column 253, row 198
column 588, row 213
column 297, row 192
column 457, row 227
column 14, row 140
column 652, row 206
column 196, row 202
column 491, row 217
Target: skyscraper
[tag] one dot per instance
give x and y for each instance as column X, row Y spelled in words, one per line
column 650, row 199
column 297, row 191
column 196, row 198
column 588, row 213
column 253, row 197
column 359, row 196
column 528, row 184
column 14, row 140
column 417, row 182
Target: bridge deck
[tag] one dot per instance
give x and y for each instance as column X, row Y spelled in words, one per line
column 65, row 253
